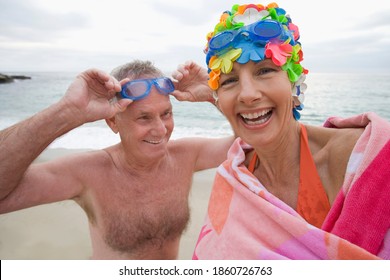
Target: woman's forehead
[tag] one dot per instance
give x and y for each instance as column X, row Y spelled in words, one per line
column 237, row 66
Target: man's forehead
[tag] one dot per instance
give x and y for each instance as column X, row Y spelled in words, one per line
column 133, row 77
column 154, row 101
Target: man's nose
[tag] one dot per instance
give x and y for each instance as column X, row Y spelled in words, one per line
column 159, row 127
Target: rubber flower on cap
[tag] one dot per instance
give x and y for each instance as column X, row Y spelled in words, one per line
column 224, row 23
column 225, row 62
column 298, row 90
column 214, row 79
column 293, row 70
column 249, row 52
column 250, row 14
column 294, row 30
column 278, row 14
column 278, row 52
column 292, row 66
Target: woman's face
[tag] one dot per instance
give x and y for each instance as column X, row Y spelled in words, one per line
column 256, row 99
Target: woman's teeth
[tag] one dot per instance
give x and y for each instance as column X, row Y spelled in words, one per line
column 257, row 117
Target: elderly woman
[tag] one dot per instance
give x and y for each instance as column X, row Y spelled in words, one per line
column 288, row 190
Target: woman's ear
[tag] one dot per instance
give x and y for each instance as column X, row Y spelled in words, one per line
column 112, row 123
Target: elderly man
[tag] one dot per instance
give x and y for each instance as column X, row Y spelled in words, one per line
column 134, row 193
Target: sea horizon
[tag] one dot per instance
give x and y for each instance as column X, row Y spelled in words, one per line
column 328, row 94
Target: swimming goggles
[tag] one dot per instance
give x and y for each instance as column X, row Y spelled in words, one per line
column 139, row 89
column 260, row 32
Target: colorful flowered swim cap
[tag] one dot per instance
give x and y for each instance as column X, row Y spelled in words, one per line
column 255, row 32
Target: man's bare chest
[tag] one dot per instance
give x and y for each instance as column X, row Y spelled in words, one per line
column 141, row 214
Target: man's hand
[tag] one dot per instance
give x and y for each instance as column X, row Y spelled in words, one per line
column 191, row 84
column 90, row 96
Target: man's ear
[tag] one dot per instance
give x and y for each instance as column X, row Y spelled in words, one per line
column 112, row 123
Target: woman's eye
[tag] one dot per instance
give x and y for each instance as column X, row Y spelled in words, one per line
column 263, row 71
column 229, row 81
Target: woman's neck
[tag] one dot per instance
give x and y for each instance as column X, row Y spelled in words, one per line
column 278, row 166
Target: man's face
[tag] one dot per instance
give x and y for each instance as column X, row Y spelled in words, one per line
column 146, row 125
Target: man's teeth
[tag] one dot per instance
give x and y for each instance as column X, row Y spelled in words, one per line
column 257, row 117
column 153, row 142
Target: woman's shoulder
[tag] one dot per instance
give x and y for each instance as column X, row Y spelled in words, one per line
column 333, row 138
column 332, row 146
column 331, row 149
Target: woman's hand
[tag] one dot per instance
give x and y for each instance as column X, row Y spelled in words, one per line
column 191, row 83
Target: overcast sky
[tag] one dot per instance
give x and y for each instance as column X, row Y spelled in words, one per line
column 74, row 35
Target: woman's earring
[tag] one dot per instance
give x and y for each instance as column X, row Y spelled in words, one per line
column 215, row 96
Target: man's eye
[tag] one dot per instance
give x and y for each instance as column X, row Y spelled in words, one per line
column 167, row 114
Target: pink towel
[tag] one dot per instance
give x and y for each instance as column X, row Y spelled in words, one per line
column 245, row 221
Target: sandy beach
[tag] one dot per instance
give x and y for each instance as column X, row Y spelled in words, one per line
column 60, row 230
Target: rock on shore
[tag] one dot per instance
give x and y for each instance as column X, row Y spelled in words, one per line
column 10, row 78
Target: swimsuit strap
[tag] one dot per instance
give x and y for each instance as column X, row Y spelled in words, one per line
column 313, row 203
column 252, row 163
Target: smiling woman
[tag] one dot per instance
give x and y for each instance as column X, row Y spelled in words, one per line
column 288, row 190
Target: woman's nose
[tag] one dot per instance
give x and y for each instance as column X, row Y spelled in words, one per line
column 249, row 91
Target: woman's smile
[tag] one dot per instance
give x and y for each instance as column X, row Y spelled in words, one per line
column 256, row 118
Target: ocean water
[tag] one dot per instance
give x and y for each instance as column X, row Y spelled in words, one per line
column 341, row 95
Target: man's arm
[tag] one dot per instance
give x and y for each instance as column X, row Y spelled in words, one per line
column 212, row 152
column 87, row 99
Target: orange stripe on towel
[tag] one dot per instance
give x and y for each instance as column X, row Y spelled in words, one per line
column 219, row 204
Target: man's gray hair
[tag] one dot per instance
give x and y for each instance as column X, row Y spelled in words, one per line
column 135, row 69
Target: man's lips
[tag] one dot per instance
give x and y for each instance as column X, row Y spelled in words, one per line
column 155, row 142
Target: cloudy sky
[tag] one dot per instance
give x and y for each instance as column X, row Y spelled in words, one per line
column 73, row 35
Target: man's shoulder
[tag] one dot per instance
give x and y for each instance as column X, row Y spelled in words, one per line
column 188, row 144
column 198, row 141
column 186, row 148
column 82, row 159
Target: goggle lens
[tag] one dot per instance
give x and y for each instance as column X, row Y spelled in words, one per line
column 139, row 89
column 267, row 30
column 136, row 89
column 165, row 85
column 221, row 40
column 261, row 31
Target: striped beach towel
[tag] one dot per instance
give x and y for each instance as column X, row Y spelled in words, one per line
column 245, row 221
